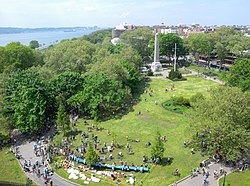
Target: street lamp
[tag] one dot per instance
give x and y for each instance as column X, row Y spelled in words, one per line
column 224, row 181
column 175, row 57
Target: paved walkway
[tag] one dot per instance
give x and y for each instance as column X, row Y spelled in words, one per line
column 26, row 150
column 198, row 180
column 165, row 73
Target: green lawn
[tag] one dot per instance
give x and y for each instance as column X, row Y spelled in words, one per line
column 10, row 170
column 237, row 179
column 143, row 127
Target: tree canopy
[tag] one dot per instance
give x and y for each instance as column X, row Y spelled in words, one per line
column 16, row 56
column 138, row 39
column 222, row 122
column 25, row 99
column 72, row 55
column 101, row 96
column 239, row 74
column 98, row 36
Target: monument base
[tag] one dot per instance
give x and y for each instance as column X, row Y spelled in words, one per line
column 156, row 67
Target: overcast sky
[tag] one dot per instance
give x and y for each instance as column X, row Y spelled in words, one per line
column 109, row 13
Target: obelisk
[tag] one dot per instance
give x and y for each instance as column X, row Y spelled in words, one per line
column 156, row 65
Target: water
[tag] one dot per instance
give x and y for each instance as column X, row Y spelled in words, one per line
column 44, row 38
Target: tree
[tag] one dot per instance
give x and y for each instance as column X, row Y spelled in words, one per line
column 138, row 39
column 62, row 117
column 239, row 74
column 167, row 46
column 25, row 101
column 123, row 66
column 66, row 84
column 222, row 122
column 101, row 96
column 157, row 149
column 91, row 156
column 98, row 36
column 222, row 47
column 34, row 44
column 18, row 56
column 3, row 59
column 72, row 55
column 200, row 45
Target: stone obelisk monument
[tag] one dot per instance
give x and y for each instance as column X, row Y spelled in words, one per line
column 156, row 65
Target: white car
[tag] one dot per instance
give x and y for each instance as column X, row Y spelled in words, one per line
column 144, row 69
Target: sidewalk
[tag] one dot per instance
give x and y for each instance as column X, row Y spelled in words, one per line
column 198, row 180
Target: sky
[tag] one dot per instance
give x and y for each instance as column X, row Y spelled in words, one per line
column 109, row 13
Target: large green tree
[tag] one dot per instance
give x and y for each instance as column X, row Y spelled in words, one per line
column 167, row 45
column 66, row 84
column 222, row 120
column 17, row 56
column 101, row 96
column 239, row 74
column 200, row 45
column 25, row 101
column 222, row 47
column 71, row 55
column 138, row 39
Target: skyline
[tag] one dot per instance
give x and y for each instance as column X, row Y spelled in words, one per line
column 109, row 13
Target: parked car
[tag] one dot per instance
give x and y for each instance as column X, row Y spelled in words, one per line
column 144, row 69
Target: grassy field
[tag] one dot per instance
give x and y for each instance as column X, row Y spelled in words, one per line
column 143, row 127
column 10, row 170
column 236, row 179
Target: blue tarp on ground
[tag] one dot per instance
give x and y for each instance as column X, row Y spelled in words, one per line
column 121, row 167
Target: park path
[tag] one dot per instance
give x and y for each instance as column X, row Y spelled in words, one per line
column 165, row 73
column 198, row 180
column 26, row 150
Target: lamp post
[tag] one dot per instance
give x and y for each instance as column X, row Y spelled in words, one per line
column 175, row 57
column 224, row 181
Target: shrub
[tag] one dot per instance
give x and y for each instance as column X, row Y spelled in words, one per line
column 150, row 73
column 175, row 75
column 181, row 101
column 195, row 98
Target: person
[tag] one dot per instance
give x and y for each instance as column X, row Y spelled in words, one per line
column 28, row 182
column 205, row 179
column 176, row 173
column 192, row 150
column 221, row 170
column 51, row 182
column 120, row 154
column 110, row 156
column 215, row 174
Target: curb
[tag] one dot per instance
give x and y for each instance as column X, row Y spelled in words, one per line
column 66, row 180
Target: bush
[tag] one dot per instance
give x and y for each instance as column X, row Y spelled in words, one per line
column 195, row 98
column 150, row 73
column 175, row 75
column 4, row 139
column 177, row 104
column 181, row 101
